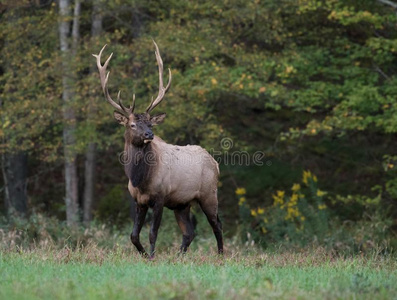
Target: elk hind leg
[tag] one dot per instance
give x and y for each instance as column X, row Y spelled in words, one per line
column 210, row 209
column 186, row 225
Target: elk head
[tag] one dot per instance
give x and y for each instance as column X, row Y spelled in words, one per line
column 138, row 127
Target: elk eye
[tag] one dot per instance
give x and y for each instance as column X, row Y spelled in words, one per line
column 133, row 125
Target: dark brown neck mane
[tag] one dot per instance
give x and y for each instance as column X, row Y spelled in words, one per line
column 139, row 164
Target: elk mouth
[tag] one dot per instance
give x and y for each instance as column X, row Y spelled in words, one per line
column 147, row 141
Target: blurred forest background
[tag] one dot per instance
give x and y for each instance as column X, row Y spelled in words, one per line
column 311, row 83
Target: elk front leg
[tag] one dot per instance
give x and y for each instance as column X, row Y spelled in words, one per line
column 140, row 214
column 157, row 214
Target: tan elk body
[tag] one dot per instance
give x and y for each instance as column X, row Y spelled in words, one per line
column 180, row 174
column 162, row 174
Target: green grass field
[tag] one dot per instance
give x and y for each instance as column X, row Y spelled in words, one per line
column 92, row 272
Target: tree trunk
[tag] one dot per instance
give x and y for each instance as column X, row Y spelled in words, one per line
column 90, row 155
column 14, row 168
column 89, row 186
column 14, row 165
column 69, row 118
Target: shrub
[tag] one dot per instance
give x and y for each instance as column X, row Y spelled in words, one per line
column 301, row 216
column 298, row 216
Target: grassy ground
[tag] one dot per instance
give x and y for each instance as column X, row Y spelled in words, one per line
column 43, row 259
column 92, row 272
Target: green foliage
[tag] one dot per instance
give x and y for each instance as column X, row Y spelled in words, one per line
column 114, row 208
column 30, row 84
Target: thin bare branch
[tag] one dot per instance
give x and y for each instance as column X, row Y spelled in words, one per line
column 390, row 3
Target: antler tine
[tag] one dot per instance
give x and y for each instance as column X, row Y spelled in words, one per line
column 123, row 108
column 133, row 103
column 128, row 110
column 131, row 108
column 104, row 81
column 162, row 90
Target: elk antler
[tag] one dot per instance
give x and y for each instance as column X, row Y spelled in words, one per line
column 104, row 81
column 162, row 90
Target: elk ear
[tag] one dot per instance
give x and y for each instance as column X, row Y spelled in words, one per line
column 120, row 118
column 157, row 119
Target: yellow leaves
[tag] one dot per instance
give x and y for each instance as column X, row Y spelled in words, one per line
column 278, row 198
column 332, row 15
column 296, row 187
column 320, row 193
column 322, row 207
column 258, row 211
column 308, row 175
column 292, row 212
column 366, row 14
column 240, row 191
column 338, row 15
column 293, row 200
column 6, row 123
column 214, row 81
column 286, row 71
column 289, row 69
column 262, row 89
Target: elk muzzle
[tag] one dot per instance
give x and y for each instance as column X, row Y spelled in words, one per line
column 148, row 136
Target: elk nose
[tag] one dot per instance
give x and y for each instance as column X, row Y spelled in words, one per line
column 149, row 135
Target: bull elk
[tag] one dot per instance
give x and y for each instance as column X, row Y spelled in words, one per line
column 162, row 174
